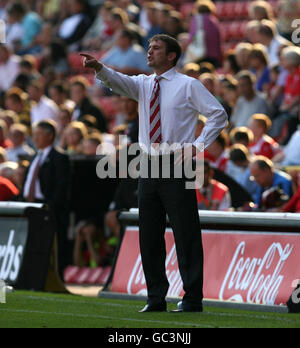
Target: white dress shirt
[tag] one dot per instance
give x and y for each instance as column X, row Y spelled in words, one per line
column 46, row 108
column 182, row 98
column 42, row 155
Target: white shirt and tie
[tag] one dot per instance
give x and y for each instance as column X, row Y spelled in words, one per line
column 182, row 98
column 38, row 160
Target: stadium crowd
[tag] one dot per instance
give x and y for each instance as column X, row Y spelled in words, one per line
column 48, row 99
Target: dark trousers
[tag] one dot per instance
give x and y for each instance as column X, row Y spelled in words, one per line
column 158, row 197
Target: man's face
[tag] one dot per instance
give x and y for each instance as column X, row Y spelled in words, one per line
column 260, row 176
column 157, row 54
column 244, row 87
column 41, row 138
column 77, row 93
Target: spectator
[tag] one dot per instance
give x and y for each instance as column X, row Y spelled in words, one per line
column 31, row 24
column 19, row 149
column 286, row 120
column 213, row 195
column 259, row 62
column 2, row 155
column 230, row 94
column 75, row 26
column 192, row 70
column 125, row 198
column 91, row 143
column 217, row 151
column 73, row 136
column 55, row 57
column 14, row 30
column 89, row 249
column 249, row 102
column 184, row 40
column 20, row 174
column 259, row 10
column 118, row 21
column 126, row 57
column 8, row 190
column 130, row 108
column 262, row 144
column 44, row 107
column 173, row 25
column 9, row 117
column 293, row 205
column 153, row 19
column 16, row 101
column 241, row 135
column 99, row 30
column 200, row 125
column 263, row 172
column 83, row 105
column 268, row 36
column 275, row 92
column 206, row 22
column 242, row 53
column 238, row 168
column 251, row 35
column 230, row 65
column 4, row 141
column 47, row 181
column 290, row 154
column 288, row 11
column 9, row 68
column 58, row 92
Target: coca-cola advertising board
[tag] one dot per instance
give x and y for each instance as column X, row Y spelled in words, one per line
column 250, row 267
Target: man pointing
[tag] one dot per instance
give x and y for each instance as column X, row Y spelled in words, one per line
column 169, row 105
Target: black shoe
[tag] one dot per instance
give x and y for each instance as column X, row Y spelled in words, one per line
column 154, row 307
column 187, row 307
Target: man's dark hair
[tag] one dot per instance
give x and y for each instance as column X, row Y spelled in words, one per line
column 172, row 45
column 48, row 126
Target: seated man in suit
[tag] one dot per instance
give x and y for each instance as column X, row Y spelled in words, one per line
column 47, row 180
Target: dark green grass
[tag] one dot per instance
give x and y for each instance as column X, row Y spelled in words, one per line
column 45, row 310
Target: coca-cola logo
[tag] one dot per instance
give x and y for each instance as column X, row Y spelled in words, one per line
column 252, row 279
column 137, row 283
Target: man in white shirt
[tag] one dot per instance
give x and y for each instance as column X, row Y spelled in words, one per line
column 44, row 108
column 178, row 100
column 9, row 68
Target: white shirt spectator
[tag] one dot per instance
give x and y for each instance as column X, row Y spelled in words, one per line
column 8, row 72
column 12, row 154
column 43, row 110
column 291, row 151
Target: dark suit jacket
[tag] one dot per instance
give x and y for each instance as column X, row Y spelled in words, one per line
column 54, row 176
column 54, row 179
column 88, row 108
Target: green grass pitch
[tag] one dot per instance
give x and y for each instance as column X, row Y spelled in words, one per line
column 24, row 309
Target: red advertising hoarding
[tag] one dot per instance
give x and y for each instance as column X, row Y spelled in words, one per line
column 250, row 267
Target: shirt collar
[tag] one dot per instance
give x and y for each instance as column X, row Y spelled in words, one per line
column 168, row 75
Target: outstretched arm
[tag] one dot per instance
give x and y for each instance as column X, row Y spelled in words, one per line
column 91, row 62
column 120, row 83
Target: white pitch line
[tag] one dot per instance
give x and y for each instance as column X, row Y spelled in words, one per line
column 109, row 304
column 106, row 317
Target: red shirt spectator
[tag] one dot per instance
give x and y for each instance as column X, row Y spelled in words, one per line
column 293, row 205
column 7, row 189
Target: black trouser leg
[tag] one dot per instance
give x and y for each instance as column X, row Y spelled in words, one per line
column 152, row 225
column 181, row 206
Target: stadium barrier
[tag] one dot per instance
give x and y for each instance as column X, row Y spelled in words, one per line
column 28, row 256
column 250, row 258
